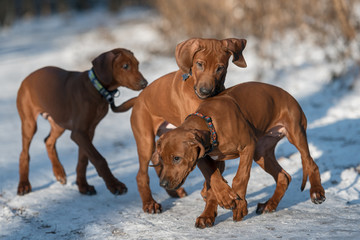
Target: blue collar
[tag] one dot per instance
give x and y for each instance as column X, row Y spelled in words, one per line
column 210, row 125
column 109, row 96
column 186, row 75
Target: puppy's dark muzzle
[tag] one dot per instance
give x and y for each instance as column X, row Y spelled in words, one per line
column 164, row 183
column 203, row 92
column 143, row 83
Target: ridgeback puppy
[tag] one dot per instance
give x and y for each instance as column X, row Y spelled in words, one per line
column 246, row 120
column 203, row 65
column 76, row 101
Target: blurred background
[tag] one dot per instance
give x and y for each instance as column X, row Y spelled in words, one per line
column 333, row 25
column 310, row 48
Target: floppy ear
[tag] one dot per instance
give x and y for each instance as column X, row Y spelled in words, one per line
column 185, row 52
column 236, row 47
column 103, row 67
column 196, row 141
column 155, row 158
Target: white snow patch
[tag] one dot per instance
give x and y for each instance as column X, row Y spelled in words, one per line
column 53, row 211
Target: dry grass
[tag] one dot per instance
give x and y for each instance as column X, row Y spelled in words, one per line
column 334, row 23
column 326, row 22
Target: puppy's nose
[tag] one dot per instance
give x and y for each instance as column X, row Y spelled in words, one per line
column 143, row 83
column 205, row 91
column 164, row 183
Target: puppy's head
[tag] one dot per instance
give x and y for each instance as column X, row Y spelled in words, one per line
column 207, row 61
column 117, row 68
column 177, row 151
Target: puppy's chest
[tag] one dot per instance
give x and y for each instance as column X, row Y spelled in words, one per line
column 102, row 110
column 98, row 111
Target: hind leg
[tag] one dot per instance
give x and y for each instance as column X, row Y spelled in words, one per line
column 297, row 136
column 50, row 142
column 265, row 157
column 81, row 181
column 28, row 129
column 241, row 179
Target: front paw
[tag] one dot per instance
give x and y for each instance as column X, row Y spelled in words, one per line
column 86, row 189
column 205, row 221
column 240, row 211
column 117, row 188
column 60, row 175
column 24, row 188
column 267, row 207
column 152, row 207
column 226, row 197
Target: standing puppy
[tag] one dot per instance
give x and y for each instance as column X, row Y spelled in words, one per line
column 76, row 101
column 246, row 120
column 203, row 64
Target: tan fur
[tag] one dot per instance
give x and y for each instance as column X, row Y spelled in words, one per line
column 249, row 120
column 170, row 99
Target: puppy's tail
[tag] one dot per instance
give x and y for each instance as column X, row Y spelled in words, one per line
column 124, row 106
column 304, row 180
column 305, row 160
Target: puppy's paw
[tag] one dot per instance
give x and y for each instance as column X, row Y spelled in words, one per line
column 24, row 188
column 62, row 180
column 267, row 207
column 317, row 194
column 86, row 189
column 240, row 211
column 226, row 196
column 117, row 188
column 205, row 221
column 152, row 207
column 60, row 175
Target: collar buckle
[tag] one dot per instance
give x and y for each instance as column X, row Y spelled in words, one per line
column 185, row 76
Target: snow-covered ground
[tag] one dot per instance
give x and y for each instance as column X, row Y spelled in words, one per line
column 54, row 211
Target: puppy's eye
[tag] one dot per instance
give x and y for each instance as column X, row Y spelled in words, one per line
column 199, row 65
column 220, row 69
column 125, row 66
column 176, row 159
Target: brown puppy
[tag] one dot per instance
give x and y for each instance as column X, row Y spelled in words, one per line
column 76, row 101
column 169, row 99
column 248, row 120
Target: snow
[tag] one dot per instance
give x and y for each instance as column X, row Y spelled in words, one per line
column 54, row 211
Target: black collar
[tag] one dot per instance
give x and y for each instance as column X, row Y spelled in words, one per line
column 210, row 125
column 108, row 95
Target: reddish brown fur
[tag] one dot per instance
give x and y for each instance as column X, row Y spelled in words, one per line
column 70, row 101
column 170, row 99
column 249, row 119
